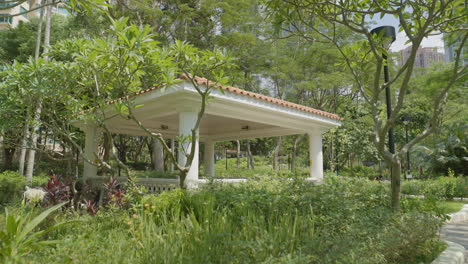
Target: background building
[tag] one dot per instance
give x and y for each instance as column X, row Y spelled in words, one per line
column 7, row 21
column 424, row 56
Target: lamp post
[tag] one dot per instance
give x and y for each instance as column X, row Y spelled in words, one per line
column 406, row 120
column 388, row 33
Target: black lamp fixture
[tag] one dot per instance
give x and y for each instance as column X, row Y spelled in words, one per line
column 388, row 35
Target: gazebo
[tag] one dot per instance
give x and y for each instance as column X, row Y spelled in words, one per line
column 231, row 114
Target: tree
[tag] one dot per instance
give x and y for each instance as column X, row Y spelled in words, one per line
column 366, row 55
column 35, row 5
column 128, row 60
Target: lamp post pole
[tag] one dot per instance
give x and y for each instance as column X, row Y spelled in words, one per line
column 407, row 153
column 388, row 99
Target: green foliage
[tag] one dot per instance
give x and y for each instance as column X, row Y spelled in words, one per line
column 19, row 236
column 19, row 43
column 12, row 186
column 271, row 220
column 155, row 174
column 360, row 172
column 450, row 207
column 167, row 202
column 262, row 168
column 440, row 188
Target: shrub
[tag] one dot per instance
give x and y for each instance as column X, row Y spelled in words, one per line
column 155, row 174
column 270, row 220
column 19, row 237
column 11, row 186
column 439, row 188
column 360, row 172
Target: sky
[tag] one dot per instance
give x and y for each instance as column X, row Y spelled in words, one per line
column 399, row 44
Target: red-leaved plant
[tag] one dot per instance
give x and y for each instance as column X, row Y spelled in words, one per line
column 115, row 194
column 57, row 191
column 91, row 207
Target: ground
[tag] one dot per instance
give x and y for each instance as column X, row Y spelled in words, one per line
column 457, row 233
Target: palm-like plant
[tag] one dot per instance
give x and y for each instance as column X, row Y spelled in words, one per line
column 20, row 236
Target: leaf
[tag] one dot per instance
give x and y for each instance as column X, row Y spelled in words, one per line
column 37, row 220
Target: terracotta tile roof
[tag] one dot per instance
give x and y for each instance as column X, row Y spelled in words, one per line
column 230, row 89
column 204, row 81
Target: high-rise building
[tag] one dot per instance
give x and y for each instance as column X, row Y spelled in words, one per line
column 424, row 56
column 8, row 21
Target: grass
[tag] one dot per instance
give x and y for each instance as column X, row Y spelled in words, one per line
column 450, row 207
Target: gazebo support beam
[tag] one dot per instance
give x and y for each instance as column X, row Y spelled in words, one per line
column 187, row 121
column 315, row 157
column 90, row 150
column 209, row 158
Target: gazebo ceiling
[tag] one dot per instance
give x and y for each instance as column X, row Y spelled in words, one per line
column 231, row 113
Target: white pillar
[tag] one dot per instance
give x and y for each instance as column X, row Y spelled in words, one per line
column 209, row 158
column 90, row 150
column 187, row 121
column 315, row 157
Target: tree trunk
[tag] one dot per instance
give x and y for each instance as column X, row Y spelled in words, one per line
column 149, row 144
column 26, row 133
column 276, row 154
column 107, row 152
column 250, row 160
column 396, row 184
column 37, row 114
column 238, row 154
column 39, row 35
column 9, row 152
column 140, row 143
column 24, row 148
column 294, row 152
column 158, row 156
column 32, row 150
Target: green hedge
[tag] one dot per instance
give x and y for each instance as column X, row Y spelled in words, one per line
column 440, row 188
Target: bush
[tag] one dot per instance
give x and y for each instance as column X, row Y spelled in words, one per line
column 439, row 188
column 360, row 172
column 270, row 220
column 12, row 185
column 155, row 174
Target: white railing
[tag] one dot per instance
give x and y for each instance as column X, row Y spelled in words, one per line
column 153, row 185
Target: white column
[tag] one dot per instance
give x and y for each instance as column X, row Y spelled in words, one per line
column 315, row 157
column 187, row 121
column 209, row 158
column 90, row 150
